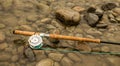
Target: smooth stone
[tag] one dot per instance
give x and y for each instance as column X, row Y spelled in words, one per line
column 5, row 57
column 118, row 19
column 29, row 54
column 101, row 25
column 40, row 54
column 68, row 17
column 91, row 10
column 45, row 62
column 7, row 4
column 96, row 49
column 78, row 9
column 108, row 6
column 105, row 49
column 93, row 31
column 32, row 17
column 56, row 56
column 15, row 58
column 2, row 36
column 3, row 46
column 20, row 49
column 74, row 57
column 92, row 19
column 26, row 27
column 66, row 62
column 117, row 10
column 2, row 26
column 56, row 64
column 4, row 64
column 114, row 60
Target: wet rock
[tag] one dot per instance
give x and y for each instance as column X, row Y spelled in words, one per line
column 78, row 9
column 108, row 6
column 29, row 54
column 4, row 64
column 40, row 54
column 92, row 19
column 26, row 27
column 101, row 25
column 43, row 8
column 3, row 46
column 82, row 46
column 19, row 41
column 45, row 62
column 74, row 57
column 118, row 19
column 56, row 56
column 56, row 64
column 20, row 49
column 32, row 18
column 15, row 58
column 94, row 32
column 45, row 20
column 5, row 57
column 68, row 17
column 66, row 62
column 96, row 49
column 105, row 49
column 91, row 10
column 2, row 36
column 117, row 10
column 7, row 4
column 2, row 26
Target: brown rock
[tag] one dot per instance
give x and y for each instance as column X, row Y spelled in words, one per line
column 7, row 4
column 45, row 62
column 74, row 57
column 26, row 27
column 4, row 64
column 2, row 26
column 56, row 56
column 32, row 17
column 117, row 10
column 2, row 36
column 68, row 17
column 105, row 49
column 5, row 57
column 56, row 64
column 96, row 49
column 66, row 62
column 3, row 46
column 15, row 58
column 78, row 9
column 108, row 6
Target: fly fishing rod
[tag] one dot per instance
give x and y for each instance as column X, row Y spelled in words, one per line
column 36, row 38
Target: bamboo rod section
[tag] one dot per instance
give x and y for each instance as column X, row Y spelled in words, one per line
column 58, row 36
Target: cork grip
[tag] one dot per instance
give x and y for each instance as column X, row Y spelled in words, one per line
column 55, row 36
column 75, row 38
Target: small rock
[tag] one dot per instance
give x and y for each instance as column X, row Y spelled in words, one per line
column 118, row 19
column 114, row 60
column 4, row 64
column 14, row 58
column 20, row 49
column 7, row 4
column 96, row 49
column 117, row 10
column 92, row 19
column 108, row 6
column 46, row 20
column 19, row 41
column 68, row 17
column 91, row 10
column 56, row 64
column 3, row 46
column 26, row 27
column 2, row 26
column 2, row 36
column 32, row 18
column 40, row 54
column 82, row 47
column 45, row 62
column 66, row 62
column 56, row 56
column 94, row 32
column 5, row 57
column 74, row 57
column 29, row 54
column 105, row 49
column 102, row 25
column 78, row 9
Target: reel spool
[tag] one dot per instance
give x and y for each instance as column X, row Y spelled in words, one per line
column 35, row 41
